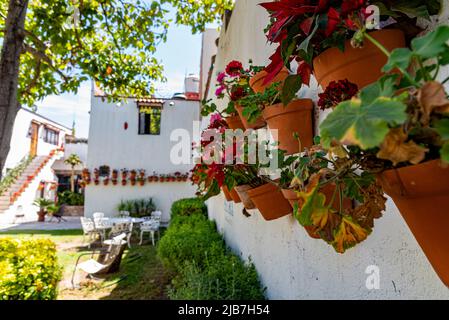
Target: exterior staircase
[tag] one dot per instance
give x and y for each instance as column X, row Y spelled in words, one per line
column 30, row 170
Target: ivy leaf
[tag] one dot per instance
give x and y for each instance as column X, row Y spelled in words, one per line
column 366, row 125
column 400, row 58
column 291, row 86
column 432, row 44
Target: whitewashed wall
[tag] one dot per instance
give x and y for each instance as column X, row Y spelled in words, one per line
column 291, row 264
column 110, row 144
column 20, row 143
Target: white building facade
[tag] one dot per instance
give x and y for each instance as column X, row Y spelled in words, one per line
column 136, row 135
column 290, row 263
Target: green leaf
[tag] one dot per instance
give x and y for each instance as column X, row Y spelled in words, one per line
column 366, row 125
column 399, row 58
column 442, row 127
column 291, row 86
column 432, row 44
column 444, row 152
column 411, row 11
column 304, row 50
column 384, row 87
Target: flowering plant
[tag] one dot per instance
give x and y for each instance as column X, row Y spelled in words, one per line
column 336, row 92
column 233, row 84
column 305, row 28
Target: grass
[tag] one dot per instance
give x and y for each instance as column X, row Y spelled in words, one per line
column 141, row 274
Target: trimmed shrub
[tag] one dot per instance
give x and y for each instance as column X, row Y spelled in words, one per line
column 70, row 198
column 189, row 206
column 205, row 268
column 28, row 270
column 187, row 238
column 223, row 277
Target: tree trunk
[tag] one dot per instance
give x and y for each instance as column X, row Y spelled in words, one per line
column 9, row 73
column 72, row 180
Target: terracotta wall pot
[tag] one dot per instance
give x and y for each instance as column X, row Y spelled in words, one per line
column 256, row 82
column 361, row 66
column 226, row 193
column 242, row 191
column 235, row 123
column 295, row 117
column 235, row 196
column 421, row 193
column 259, row 123
column 269, row 200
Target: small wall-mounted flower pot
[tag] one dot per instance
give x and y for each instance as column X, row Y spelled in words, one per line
column 269, row 200
column 234, row 122
column 133, row 182
column 123, row 182
column 242, row 191
column 361, row 66
column 114, row 182
column 106, row 182
column 235, row 196
column 257, row 81
column 259, row 123
column 97, row 182
column 421, row 193
column 296, row 117
column 141, row 182
column 226, row 193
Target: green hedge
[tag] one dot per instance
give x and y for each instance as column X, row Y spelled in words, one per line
column 28, row 270
column 189, row 206
column 205, row 268
column 70, row 198
column 187, row 238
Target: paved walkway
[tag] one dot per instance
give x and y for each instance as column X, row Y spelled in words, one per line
column 71, row 223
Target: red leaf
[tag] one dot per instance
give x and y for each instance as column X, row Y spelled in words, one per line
column 333, row 18
column 306, row 25
column 274, row 67
column 304, row 70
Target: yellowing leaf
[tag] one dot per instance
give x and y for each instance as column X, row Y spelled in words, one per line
column 395, row 149
column 348, row 234
column 432, row 97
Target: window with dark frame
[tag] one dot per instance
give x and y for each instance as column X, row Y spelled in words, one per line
column 51, row 136
column 150, row 120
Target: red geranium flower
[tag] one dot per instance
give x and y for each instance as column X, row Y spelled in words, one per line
column 234, row 68
column 237, row 93
column 336, row 92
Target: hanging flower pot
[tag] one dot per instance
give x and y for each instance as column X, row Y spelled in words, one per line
column 97, row 182
column 242, row 191
column 257, row 81
column 133, row 174
column 123, row 182
column 296, row 117
column 269, row 200
column 133, row 182
column 114, row 174
column 106, row 181
column 361, row 66
column 162, row 179
column 421, row 193
column 234, row 122
column 259, row 123
column 226, row 193
column 235, row 196
column 141, row 182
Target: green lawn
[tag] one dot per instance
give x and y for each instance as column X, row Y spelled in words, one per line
column 141, row 274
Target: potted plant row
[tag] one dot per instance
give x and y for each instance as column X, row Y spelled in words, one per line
column 399, row 128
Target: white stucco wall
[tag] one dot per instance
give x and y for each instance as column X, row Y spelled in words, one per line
column 110, row 144
column 290, row 263
column 79, row 149
column 20, row 143
column 208, row 49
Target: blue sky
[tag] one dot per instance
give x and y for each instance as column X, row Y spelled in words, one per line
column 180, row 55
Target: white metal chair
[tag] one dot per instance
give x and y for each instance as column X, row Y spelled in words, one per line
column 101, row 225
column 89, row 229
column 122, row 228
column 150, row 226
column 156, row 216
column 98, row 215
column 108, row 260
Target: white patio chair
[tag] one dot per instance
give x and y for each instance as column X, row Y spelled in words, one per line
column 89, row 229
column 122, row 228
column 107, row 261
column 150, row 226
column 156, row 216
column 101, row 225
column 98, row 215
